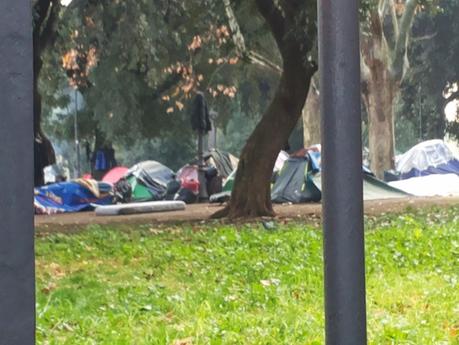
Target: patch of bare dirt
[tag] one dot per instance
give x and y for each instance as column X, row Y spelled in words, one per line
column 200, row 213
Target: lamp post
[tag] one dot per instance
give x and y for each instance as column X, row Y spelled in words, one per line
column 77, row 140
column 342, row 185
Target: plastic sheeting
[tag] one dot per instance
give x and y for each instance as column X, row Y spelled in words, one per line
column 431, row 185
column 73, row 196
column 426, row 158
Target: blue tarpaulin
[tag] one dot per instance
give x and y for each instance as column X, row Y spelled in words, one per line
column 73, row 196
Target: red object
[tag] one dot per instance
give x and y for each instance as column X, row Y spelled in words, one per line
column 115, row 175
column 188, row 177
column 87, row 176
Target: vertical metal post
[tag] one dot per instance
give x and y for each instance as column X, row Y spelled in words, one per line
column 212, row 136
column 203, row 196
column 77, row 140
column 420, row 113
column 339, row 58
column 17, row 286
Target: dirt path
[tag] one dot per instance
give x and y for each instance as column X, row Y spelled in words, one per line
column 202, row 212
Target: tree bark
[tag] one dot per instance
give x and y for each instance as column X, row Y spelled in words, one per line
column 45, row 16
column 379, row 94
column 251, row 195
column 311, row 117
column 383, row 68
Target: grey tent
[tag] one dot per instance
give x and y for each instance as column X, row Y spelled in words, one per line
column 294, row 183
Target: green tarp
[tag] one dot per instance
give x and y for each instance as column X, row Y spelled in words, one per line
column 373, row 189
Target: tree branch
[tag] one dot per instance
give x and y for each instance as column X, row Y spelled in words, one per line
column 382, row 5
column 394, row 20
column 274, row 18
column 262, row 61
column 48, row 32
column 398, row 55
column 239, row 41
column 451, row 96
column 40, row 13
column 424, row 38
column 238, row 38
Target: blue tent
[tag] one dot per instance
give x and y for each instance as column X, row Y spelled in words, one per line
column 427, row 158
column 73, row 196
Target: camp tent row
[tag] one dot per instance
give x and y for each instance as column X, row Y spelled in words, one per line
column 299, row 181
column 429, row 168
column 145, row 181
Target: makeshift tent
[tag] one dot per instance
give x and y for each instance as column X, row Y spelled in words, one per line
column 299, row 181
column 189, row 184
column 115, row 174
column 151, row 181
column 224, row 162
column 73, row 196
column 218, row 167
column 294, row 183
column 427, row 158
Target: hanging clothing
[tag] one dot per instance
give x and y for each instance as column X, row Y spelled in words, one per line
column 200, row 120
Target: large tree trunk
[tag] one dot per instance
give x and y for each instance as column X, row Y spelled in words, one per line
column 311, row 117
column 251, row 196
column 379, row 94
column 45, row 16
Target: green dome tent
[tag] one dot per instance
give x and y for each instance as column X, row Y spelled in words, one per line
column 151, row 181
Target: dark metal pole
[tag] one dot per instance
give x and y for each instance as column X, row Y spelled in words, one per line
column 17, row 286
column 77, row 140
column 339, row 57
column 203, row 196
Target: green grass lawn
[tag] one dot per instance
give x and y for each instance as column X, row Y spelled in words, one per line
column 243, row 285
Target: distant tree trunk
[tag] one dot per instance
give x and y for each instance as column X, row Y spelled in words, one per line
column 384, row 65
column 379, row 98
column 45, row 16
column 311, row 116
column 251, row 195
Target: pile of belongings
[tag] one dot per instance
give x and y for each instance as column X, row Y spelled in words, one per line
column 297, row 179
column 427, row 169
column 218, row 167
column 72, row 196
column 146, row 181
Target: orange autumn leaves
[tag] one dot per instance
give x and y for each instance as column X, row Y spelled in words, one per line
column 190, row 80
column 78, row 65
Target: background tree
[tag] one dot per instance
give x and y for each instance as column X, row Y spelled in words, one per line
column 386, row 36
column 45, row 16
column 432, row 80
column 293, row 28
column 137, row 65
column 311, row 115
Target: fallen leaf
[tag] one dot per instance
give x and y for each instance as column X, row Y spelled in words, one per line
column 186, row 341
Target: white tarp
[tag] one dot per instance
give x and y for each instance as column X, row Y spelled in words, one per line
column 430, row 185
column 431, row 153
